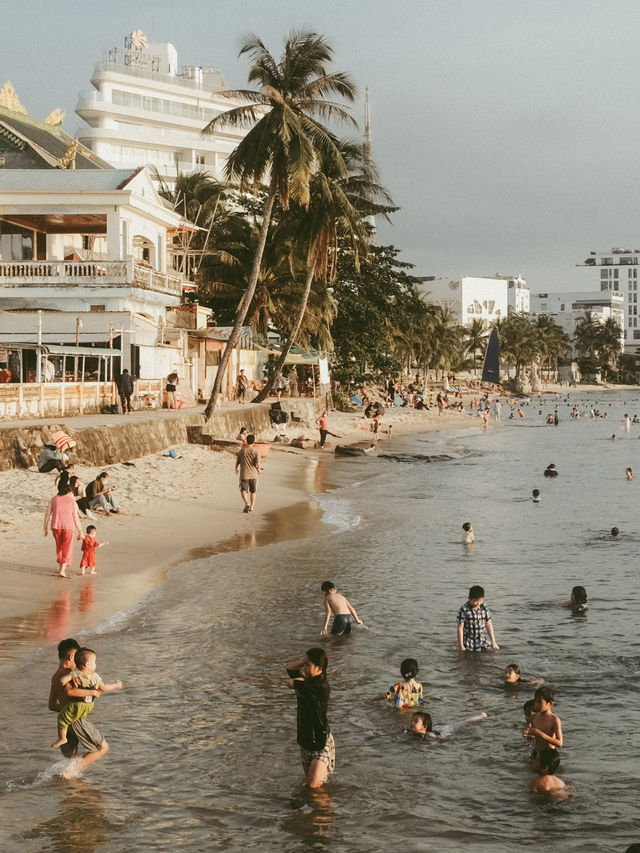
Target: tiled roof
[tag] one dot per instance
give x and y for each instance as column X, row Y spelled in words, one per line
column 64, row 180
column 48, row 140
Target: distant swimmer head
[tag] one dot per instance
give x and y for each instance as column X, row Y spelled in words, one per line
column 512, row 674
column 615, row 532
column 579, row 593
column 613, row 437
column 629, row 474
column 467, row 526
column 409, row 668
column 529, row 709
column 421, row 723
column 535, row 494
column 549, row 761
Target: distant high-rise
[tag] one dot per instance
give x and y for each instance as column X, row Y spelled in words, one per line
column 617, row 271
column 144, row 112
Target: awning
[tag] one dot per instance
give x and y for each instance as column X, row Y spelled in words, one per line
column 69, row 349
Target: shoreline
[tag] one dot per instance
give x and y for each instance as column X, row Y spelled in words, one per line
column 174, row 511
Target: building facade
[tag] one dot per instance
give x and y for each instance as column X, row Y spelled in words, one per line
column 143, row 110
column 617, row 270
column 473, row 298
column 566, row 308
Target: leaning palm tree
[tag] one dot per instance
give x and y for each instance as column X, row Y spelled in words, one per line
column 339, row 205
column 285, row 141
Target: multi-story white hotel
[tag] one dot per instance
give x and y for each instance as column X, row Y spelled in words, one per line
column 618, row 270
column 472, row 298
column 567, row 308
column 144, row 111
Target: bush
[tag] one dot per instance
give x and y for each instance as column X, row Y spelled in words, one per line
column 342, row 402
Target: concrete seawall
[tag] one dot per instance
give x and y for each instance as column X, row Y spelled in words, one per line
column 122, row 439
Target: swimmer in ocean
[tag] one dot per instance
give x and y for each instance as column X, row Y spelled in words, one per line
column 512, row 678
column 535, row 496
column 578, row 600
column 550, row 471
column 468, row 537
column 547, row 782
column 615, row 533
column 629, row 474
column 421, row 724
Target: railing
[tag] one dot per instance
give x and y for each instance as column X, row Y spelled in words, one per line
column 110, row 273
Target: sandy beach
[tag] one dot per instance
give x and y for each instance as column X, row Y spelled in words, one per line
column 173, row 510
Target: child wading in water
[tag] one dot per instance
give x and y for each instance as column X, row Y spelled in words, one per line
column 545, row 726
column 578, row 601
column 475, row 629
column 85, row 677
column 512, row 678
column 408, row 692
column 343, row 613
column 89, row 547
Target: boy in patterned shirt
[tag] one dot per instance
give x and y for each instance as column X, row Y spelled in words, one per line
column 475, row 629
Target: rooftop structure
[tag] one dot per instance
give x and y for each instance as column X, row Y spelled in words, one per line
column 617, row 270
column 29, row 144
column 143, row 111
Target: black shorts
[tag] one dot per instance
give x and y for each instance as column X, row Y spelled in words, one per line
column 249, row 485
column 170, row 387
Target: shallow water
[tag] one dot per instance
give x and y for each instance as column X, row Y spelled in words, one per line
column 203, row 739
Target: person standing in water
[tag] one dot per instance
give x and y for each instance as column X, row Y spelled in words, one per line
column 308, row 678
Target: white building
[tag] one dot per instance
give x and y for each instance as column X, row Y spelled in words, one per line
column 566, row 308
column 473, row 298
column 618, row 270
column 85, row 261
column 144, row 111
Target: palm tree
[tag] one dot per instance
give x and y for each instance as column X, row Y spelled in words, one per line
column 553, row 341
column 475, row 339
column 610, row 342
column 337, row 208
column 586, row 335
column 285, row 140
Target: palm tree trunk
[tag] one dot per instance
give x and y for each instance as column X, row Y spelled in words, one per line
column 245, row 302
column 290, row 340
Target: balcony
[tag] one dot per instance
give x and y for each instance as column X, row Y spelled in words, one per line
column 96, row 273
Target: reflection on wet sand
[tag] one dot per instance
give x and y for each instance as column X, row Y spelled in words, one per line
column 57, row 620
column 81, row 825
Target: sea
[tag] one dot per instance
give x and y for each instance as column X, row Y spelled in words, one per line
column 203, row 737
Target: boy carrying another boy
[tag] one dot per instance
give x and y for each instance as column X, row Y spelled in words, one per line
column 475, row 629
column 84, row 678
column 343, row 612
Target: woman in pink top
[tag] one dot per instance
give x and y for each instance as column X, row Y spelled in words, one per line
column 62, row 514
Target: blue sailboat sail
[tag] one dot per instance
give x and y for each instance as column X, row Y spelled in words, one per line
column 491, row 366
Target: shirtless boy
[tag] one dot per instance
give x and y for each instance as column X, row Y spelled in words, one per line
column 343, row 612
column 545, row 726
column 547, row 782
column 81, row 733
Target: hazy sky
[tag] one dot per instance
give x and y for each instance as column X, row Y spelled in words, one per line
column 508, row 131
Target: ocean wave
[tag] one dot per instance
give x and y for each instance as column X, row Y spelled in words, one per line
column 338, row 512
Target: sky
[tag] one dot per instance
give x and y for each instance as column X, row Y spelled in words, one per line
column 506, row 131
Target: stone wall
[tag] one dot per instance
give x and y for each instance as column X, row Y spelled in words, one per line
column 123, row 440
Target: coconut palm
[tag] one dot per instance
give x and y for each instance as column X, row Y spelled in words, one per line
column 334, row 219
column 610, row 342
column 586, row 335
column 475, row 339
column 285, row 141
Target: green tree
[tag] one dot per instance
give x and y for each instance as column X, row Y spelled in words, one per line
column 475, row 339
column 285, row 139
column 334, row 219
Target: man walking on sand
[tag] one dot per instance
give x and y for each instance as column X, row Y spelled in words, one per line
column 82, row 732
column 248, row 463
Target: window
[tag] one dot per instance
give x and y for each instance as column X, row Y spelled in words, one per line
column 16, row 244
column 199, row 159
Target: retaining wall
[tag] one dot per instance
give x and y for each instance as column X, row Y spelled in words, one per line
column 123, row 440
